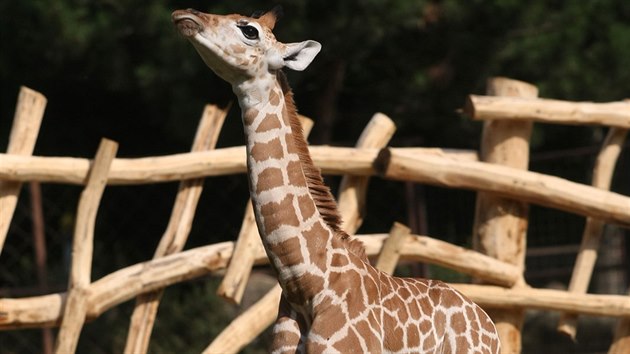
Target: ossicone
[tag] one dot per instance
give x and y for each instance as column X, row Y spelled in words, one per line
column 269, row 18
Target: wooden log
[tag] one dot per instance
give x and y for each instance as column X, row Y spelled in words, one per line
column 170, row 168
column 176, row 234
column 455, row 154
column 527, row 186
column 393, row 163
column 353, row 189
column 621, row 339
column 377, row 134
column 594, row 228
column 244, row 328
column 248, row 244
column 32, row 312
column 29, row 112
column 489, row 296
column 119, row 286
column 613, row 114
column 176, row 167
column 76, row 305
column 390, row 254
column 433, row 251
column 129, row 282
column 500, row 226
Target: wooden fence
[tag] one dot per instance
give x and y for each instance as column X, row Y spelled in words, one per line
column 499, row 174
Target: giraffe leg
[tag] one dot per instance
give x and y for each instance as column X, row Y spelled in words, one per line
column 287, row 336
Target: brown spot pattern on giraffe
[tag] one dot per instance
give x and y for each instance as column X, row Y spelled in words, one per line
column 349, row 341
column 429, row 341
column 268, row 179
column 286, row 251
column 307, row 207
column 339, row 260
column 270, row 150
column 277, row 214
column 274, row 98
column 439, row 322
column 316, row 238
column 393, row 333
column 413, row 337
column 332, row 319
column 296, row 176
column 458, row 322
column 270, row 122
column 298, row 288
column 285, row 336
column 369, row 337
column 249, row 116
column 291, row 148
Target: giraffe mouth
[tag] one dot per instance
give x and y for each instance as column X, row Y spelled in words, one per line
column 187, row 23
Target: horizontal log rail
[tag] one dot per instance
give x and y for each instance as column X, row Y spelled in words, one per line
column 432, row 166
column 176, row 167
column 129, row 282
column 613, row 114
column 509, row 182
column 547, row 299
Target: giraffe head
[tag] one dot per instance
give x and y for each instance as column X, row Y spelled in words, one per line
column 239, row 48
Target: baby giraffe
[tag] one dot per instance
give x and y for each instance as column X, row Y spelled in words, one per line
column 333, row 300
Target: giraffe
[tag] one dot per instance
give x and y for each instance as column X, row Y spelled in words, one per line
column 333, row 300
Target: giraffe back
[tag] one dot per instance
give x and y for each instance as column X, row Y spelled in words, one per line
column 364, row 309
column 431, row 317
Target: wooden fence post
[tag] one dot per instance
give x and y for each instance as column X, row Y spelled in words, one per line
column 352, row 189
column 500, row 228
column 26, row 122
column 177, row 231
column 621, row 340
column 390, row 253
column 76, row 305
column 594, row 228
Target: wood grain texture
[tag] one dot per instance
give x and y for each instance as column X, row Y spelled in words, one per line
column 27, row 120
column 177, row 231
column 76, row 305
column 500, row 224
column 594, row 228
column 612, row 114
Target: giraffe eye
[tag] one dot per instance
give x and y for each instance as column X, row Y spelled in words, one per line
column 250, row 32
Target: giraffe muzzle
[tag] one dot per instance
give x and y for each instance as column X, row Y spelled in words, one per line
column 187, row 22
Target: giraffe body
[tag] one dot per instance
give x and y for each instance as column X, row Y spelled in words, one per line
column 333, row 299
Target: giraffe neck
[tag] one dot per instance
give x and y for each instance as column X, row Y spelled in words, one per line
column 295, row 234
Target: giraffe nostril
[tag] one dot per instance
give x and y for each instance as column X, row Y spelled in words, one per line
column 193, row 11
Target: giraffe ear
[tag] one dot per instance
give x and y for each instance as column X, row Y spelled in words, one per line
column 298, row 56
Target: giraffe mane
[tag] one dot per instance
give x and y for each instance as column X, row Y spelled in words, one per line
column 323, row 198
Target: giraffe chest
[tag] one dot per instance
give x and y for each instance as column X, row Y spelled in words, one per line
column 346, row 314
